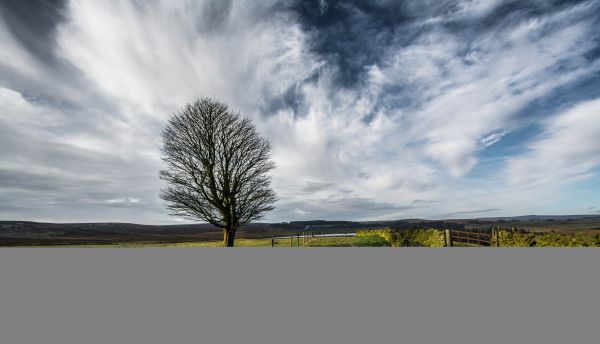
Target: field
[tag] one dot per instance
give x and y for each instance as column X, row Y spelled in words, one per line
column 589, row 225
column 281, row 242
column 23, row 233
column 560, row 227
column 35, row 234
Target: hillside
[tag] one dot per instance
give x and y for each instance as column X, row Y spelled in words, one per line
column 27, row 233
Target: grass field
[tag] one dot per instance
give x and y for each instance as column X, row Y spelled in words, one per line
column 315, row 242
column 567, row 227
column 348, row 242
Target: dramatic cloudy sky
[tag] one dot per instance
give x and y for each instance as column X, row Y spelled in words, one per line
column 375, row 109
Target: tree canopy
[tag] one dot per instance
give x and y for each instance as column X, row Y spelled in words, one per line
column 217, row 167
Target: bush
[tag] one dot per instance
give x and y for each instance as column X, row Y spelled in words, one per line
column 386, row 233
column 509, row 239
column 408, row 237
column 436, row 238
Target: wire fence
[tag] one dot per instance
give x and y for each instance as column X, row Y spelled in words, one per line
column 303, row 238
column 467, row 237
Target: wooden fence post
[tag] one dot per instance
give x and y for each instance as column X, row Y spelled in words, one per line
column 291, row 240
column 298, row 237
column 498, row 237
column 448, row 238
column 272, row 242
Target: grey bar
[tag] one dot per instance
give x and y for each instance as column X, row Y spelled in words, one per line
column 310, row 295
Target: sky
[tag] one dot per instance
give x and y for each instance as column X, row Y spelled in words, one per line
column 375, row 109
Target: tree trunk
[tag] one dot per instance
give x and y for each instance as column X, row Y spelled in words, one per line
column 228, row 237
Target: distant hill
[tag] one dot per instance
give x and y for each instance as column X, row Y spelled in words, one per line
column 20, row 233
column 535, row 218
column 27, row 233
column 36, row 233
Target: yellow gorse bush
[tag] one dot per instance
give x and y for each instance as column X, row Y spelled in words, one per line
column 408, row 237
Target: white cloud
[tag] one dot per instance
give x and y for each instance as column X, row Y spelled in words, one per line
column 567, row 150
column 463, row 98
column 15, row 110
column 124, row 200
column 300, row 212
column 153, row 56
column 492, row 138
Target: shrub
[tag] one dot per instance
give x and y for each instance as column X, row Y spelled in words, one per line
column 436, row 238
column 386, row 233
column 509, row 239
column 408, row 237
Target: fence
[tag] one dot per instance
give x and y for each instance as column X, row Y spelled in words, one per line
column 476, row 236
column 469, row 238
column 303, row 238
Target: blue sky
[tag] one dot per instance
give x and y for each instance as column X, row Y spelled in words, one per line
column 375, row 109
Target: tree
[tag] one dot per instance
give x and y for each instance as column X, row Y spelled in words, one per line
column 217, row 167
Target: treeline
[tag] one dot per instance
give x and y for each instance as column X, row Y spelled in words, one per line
column 398, row 225
column 425, row 224
column 318, row 224
column 528, row 239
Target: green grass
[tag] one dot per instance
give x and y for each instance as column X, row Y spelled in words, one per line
column 370, row 241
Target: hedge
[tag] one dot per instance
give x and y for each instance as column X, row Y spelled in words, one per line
column 436, row 238
column 528, row 239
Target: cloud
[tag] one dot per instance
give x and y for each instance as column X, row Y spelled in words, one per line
column 341, row 208
column 566, row 151
column 95, row 111
column 492, row 138
column 422, row 202
column 469, row 212
column 153, row 57
column 459, row 101
column 123, row 200
column 311, row 187
column 369, row 106
column 300, row 212
column 33, row 24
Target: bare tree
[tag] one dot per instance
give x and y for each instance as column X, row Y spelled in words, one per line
column 217, row 167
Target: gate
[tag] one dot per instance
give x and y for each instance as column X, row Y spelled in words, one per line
column 464, row 238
